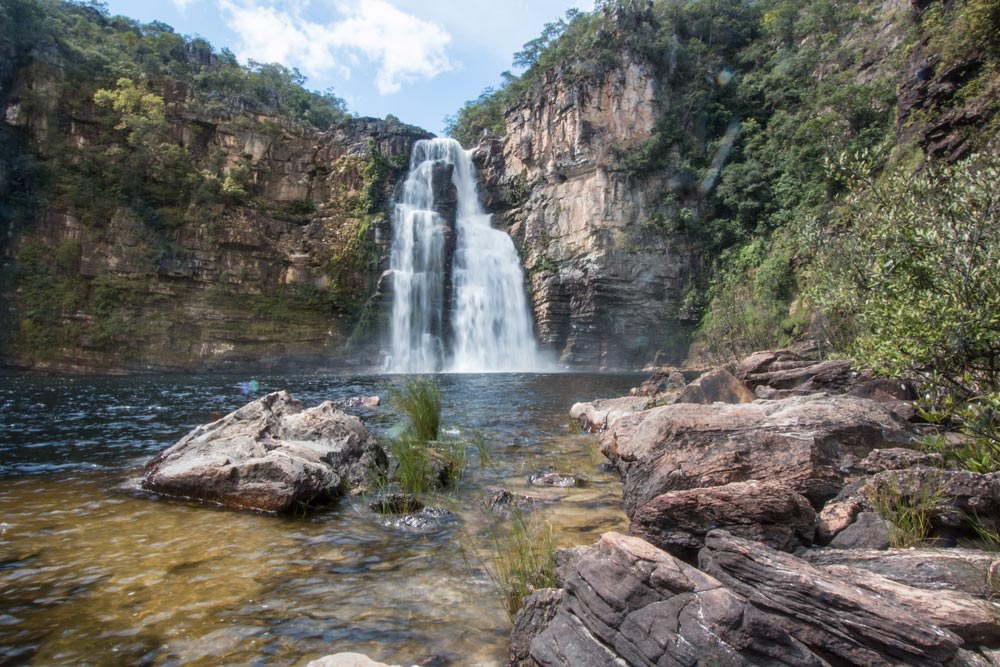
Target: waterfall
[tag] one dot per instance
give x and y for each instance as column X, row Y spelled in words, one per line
column 458, row 293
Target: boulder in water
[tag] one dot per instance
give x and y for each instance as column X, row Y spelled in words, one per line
column 271, row 455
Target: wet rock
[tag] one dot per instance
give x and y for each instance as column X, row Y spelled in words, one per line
column 501, row 502
column 347, row 660
column 769, row 512
column 595, row 416
column 537, row 612
column 396, row 503
column 555, row 479
column 811, row 443
column 424, row 520
column 270, row 455
column 869, row 531
column 970, row 571
column 718, row 386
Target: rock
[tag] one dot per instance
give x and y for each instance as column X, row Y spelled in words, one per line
column 884, row 390
column 663, row 380
column 786, row 370
column 718, row 386
column 366, row 402
column 395, row 503
column 835, row 517
column 810, row 443
column 501, row 501
column 424, row 520
column 270, row 455
column 769, row 512
column 831, row 613
column 898, row 458
column 347, row 660
column 555, row 479
column 969, row 571
column 627, row 602
column 869, row 531
column 595, row 416
column 950, row 497
column 535, row 614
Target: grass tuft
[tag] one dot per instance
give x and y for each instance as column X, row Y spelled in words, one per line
column 908, row 515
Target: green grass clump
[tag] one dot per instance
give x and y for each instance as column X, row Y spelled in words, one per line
column 522, row 558
column 419, row 400
column 908, row 515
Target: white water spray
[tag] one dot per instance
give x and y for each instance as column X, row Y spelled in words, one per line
column 490, row 322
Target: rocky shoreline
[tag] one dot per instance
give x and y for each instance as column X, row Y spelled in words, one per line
column 758, row 536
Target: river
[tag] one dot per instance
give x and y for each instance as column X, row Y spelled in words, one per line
column 94, row 573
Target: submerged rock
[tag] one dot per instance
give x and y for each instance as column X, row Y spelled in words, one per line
column 555, row 479
column 347, row 660
column 270, row 455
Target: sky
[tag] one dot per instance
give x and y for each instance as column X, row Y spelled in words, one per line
column 419, row 60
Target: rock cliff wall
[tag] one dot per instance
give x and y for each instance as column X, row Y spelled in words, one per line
column 605, row 292
column 274, row 273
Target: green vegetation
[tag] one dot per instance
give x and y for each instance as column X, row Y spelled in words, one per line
column 423, row 462
column 522, row 558
column 908, row 515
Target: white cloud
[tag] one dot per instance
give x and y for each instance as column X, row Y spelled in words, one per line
column 403, row 47
column 181, row 5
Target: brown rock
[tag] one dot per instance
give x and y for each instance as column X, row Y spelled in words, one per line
column 868, row 531
column 270, row 455
column 810, row 443
column 769, row 512
column 718, row 386
column 835, row 517
column 665, row 379
column 595, row 416
column 897, row 458
column 950, row 497
column 537, row 612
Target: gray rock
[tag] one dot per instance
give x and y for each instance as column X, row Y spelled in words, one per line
column 869, row 531
column 535, row 614
column 950, row 497
column 271, row 455
column 555, row 479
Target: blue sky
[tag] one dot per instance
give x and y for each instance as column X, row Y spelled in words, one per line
column 419, row 60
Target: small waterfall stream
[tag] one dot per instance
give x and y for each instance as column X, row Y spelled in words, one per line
column 458, row 293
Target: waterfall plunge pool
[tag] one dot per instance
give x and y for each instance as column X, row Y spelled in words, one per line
column 91, row 575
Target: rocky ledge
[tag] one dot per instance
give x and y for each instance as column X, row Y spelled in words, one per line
column 758, row 531
column 271, row 455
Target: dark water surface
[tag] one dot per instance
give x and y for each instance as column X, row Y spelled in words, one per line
column 91, row 574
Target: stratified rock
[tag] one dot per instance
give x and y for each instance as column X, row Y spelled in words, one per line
column 769, row 512
column 970, row 571
column 793, row 373
column 810, row 443
column 868, row 531
column 898, row 458
column 535, row 614
column 270, row 455
column 627, row 602
column 718, row 386
column 347, row 660
column 595, row 416
column 833, row 614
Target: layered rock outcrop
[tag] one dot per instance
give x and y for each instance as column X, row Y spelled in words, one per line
column 604, row 294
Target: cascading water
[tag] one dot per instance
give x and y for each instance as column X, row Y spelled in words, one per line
column 487, row 322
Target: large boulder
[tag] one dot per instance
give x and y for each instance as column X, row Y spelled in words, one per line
column 718, row 386
column 595, row 416
column 625, row 602
column 810, row 443
column 789, row 373
column 769, row 512
column 271, row 455
column 951, row 499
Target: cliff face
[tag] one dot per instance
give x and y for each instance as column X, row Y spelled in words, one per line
column 273, row 274
column 606, row 293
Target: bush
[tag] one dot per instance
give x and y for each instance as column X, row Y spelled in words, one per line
column 917, row 268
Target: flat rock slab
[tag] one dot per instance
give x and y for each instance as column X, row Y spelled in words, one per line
column 271, row 455
column 811, row 443
column 594, row 417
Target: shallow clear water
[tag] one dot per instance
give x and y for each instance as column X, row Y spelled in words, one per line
column 93, row 574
